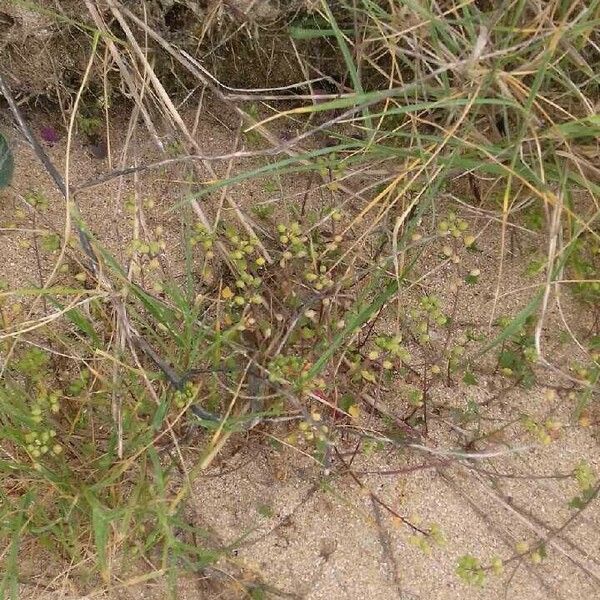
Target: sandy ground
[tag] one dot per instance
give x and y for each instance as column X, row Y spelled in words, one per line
column 325, row 537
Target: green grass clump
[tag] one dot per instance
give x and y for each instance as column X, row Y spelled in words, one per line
column 462, row 139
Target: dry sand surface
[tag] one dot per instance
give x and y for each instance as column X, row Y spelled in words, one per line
column 325, row 537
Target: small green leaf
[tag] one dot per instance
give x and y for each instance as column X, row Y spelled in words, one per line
column 7, row 163
column 497, row 566
column 51, row 242
column 585, row 475
column 469, row 378
column 346, row 401
column 587, row 495
column 470, row 571
column 84, row 325
column 368, row 376
column 159, row 415
column 509, row 359
column 576, row 503
column 100, row 524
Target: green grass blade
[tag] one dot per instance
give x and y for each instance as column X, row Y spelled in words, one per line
column 347, row 55
column 7, row 163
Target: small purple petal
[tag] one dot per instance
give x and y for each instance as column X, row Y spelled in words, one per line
column 49, row 134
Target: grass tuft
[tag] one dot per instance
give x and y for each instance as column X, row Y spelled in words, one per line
column 447, row 164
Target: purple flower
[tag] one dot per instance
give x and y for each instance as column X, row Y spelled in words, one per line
column 49, row 135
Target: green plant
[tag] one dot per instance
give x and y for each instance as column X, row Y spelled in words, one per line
column 7, row 164
column 89, row 125
column 350, row 317
column 517, row 354
column 469, row 569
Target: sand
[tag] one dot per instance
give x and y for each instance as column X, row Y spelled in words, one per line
column 322, row 536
